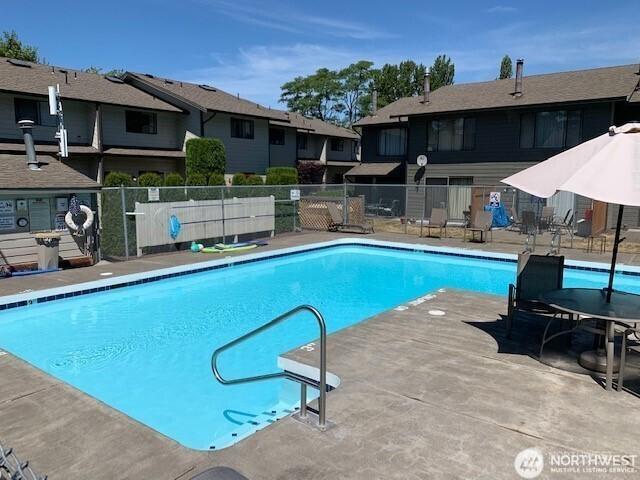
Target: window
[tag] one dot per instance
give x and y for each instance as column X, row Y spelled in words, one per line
column 276, row 136
column 35, row 110
column 392, row 142
column 337, row 144
column 141, row 122
column 302, row 139
column 553, row 129
column 241, row 128
column 451, row 134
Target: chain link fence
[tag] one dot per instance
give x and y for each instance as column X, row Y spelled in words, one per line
column 242, row 213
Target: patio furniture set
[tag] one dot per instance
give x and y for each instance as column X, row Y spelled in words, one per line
column 539, row 290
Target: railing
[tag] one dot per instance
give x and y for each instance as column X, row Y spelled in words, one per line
column 321, row 385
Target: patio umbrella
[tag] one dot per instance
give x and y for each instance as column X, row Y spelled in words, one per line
column 606, row 168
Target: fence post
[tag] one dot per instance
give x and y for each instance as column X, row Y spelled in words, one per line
column 406, row 208
column 222, row 206
column 345, row 205
column 124, row 222
column 424, row 208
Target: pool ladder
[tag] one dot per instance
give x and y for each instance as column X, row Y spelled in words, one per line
column 304, row 381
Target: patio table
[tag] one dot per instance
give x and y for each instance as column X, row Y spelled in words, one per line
column 624, row 308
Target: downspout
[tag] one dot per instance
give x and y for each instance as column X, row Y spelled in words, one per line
column 27, row 127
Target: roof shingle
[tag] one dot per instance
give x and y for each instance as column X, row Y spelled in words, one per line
column 53, row 175
column 33, row 78
column 316, row 126
column 211, row 98
column 563, row 87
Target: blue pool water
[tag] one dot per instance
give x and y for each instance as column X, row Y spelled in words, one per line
column 145, row 349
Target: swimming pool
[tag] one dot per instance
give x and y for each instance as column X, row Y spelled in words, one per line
column 145, row 349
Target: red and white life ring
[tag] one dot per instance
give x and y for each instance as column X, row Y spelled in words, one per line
column 68, row 219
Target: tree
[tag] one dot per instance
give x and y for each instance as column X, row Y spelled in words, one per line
column 354, row 95
column 12, row 47
column 506, row 67
column 442, row 72
column 396, row 81
column 315, row 95
column 116, row 72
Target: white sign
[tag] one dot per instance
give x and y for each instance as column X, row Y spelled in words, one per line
column 294, row 194
column 7, row 223
column 422, row 160
column 39, row 214
column 494, row 199
column 62, row 204
column 60, row 223
column 153, row 194
column 6, row 206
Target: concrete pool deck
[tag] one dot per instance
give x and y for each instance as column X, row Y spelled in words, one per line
column 422, row 396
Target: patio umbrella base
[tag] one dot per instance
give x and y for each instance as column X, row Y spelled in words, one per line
column 596, row 360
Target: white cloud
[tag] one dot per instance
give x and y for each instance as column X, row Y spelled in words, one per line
column 502, row 9
column 291, row 21
column 257, row 72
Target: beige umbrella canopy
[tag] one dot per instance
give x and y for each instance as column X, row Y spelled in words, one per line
column 606, row 168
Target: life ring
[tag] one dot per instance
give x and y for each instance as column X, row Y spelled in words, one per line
column 68, row 219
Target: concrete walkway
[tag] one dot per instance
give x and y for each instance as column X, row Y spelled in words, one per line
column 422, row 396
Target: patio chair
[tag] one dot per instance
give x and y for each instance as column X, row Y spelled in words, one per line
column 481, row 224
column 438, row 220
column 626, row 331
column 337, row 224
column 516, row 223
column 536, row 274
column 528, row 224
column 546, row 218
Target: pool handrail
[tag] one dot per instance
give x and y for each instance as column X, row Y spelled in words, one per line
column 303, row 380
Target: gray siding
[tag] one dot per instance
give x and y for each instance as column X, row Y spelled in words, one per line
column 243, row 155
column 347, row 155
column 498, row 136
column 284, row 155
column 136, row 165
column 79, row 118
column 170, row 132
column 315, row 144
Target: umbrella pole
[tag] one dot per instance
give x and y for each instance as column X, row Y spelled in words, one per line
column 614, row 257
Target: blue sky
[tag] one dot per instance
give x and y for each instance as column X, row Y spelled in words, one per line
column 252, row 47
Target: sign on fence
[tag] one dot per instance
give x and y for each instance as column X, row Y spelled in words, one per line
column 294, row 194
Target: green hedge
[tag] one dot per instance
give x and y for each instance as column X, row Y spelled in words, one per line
column 282, row 176
column 116, row 179
column 150, row 179
column 196, row 179
column 205, row 156
column 217, row 179
column 173, row 180
column 239, row 179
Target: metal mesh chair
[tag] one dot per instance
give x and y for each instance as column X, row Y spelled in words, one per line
column 537, row 274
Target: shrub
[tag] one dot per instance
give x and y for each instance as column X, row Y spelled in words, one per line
column 310, row 172
column 239, row 179
column 196, row 179
column 205, row 156
column 217, row 179
column 115, row 179
column 150, row 179
column 282, row 176
column 254, row 180
column 173, row 180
